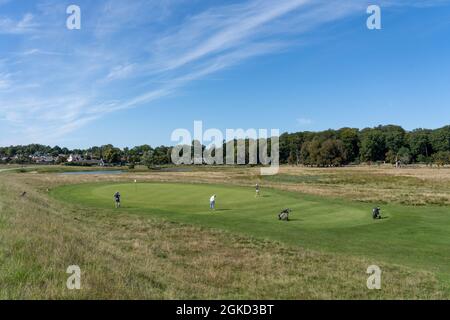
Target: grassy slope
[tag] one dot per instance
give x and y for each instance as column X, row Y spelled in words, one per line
column 135, row 256
column 408, row 186
column 417, row 237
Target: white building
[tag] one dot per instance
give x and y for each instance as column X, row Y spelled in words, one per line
column 74, row 158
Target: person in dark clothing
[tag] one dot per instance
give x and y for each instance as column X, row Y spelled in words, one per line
column 117, row 199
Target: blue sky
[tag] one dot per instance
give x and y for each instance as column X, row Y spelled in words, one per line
column 137, row 70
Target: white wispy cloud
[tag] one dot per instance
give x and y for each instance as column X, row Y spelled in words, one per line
column 132, row 53
column 5, row 81
column 26, row 24
column 304, row 121
column 36, row 51
column 221, row 29
column 121, row 71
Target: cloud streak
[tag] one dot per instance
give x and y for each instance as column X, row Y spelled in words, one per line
column 25, row 25
column 134, row 53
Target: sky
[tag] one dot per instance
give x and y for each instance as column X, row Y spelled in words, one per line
column 137, row 70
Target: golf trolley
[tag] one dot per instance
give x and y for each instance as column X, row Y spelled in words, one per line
column 284, row 215
column 376, row 213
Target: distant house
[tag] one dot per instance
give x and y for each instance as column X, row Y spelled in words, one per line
column 77, row 159
column 74, row 158
column 61, row 158
column 43, row 159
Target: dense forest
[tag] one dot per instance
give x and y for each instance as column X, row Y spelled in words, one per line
column 390, row 144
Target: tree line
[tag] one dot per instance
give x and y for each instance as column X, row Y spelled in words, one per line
column 382, row 144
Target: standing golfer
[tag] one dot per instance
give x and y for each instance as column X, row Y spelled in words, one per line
column 117, row 199
column 257, row 190
column 212, row 202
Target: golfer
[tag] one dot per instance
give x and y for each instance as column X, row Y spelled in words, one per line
column 117, row 199
column 257, row 190
column 212, row 202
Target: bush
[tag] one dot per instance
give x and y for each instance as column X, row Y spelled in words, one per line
column 424, row 159
column 76, row 164
column 441, row 158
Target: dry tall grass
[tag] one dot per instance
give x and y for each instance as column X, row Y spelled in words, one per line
column 132, row 257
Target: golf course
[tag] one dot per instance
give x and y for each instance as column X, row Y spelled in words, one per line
column 225, row 159
column 413, row 236
column 165, row 242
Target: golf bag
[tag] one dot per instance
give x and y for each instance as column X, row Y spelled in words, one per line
column 376, row 214
column 284, row 215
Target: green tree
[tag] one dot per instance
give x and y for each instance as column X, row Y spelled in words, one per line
column 113, row 155
column 305, row 157
column 404, row 155
column 148, row 159
column 441, row 158
column 350, row 140
column 332, row 153
column 309, row 153
column 440, row 139
column 391, row 157
column 419, row 143
column 373, row 146
column 394, row 137
column 292, row 159
column 285, row 151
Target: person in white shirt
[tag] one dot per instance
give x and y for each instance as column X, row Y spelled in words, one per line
column 212, row 202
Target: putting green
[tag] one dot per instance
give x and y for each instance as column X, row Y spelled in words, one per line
column 418, row 237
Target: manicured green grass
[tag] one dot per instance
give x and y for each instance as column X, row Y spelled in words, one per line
column 417, row 237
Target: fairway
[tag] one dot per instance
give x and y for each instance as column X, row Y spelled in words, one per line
column 417, row 237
